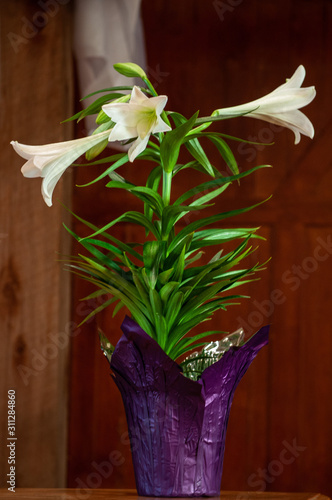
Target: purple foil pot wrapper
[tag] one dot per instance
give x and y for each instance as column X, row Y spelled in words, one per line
column 177, row 426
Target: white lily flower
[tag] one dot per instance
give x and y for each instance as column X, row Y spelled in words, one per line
column 281, row 106
column 51, row 160
column 140, row 117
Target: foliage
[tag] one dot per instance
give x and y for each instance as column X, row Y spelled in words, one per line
column 163, row 282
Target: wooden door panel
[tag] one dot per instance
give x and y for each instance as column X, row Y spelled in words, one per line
column 219, row 54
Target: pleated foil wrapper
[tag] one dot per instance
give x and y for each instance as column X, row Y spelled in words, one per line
column 194, row 365
column 177, row 426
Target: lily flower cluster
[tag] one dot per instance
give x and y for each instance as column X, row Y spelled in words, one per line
column 166, row 294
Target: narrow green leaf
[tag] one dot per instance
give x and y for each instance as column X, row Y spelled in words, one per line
column 170, row 146
column 167, row 290
column 211, row 237
column 214, row 183
column 105, row 259
column 179, row 266
column 122, row 246
column 212, row 219
column 147, row 195
column 134, row 217
column 172, row 213
column 196, row 150
column 173, row 308
column 188, row 343
column 194, row 147
column 157, row 310
column 165, row 276
column 210, row 196
column 117, row 308
column 109, row 89
column 121, row 161
column 95, row 107
column 98, row 310
column 226, row 153
column 153, row 254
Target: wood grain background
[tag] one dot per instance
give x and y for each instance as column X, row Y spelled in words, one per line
column 36, row 94
column 203, row 55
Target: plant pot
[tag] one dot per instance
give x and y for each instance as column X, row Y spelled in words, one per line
column 177, row 426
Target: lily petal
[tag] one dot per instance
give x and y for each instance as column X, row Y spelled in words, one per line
column 49, row 161
column 137, row 147
column 281, row 106
column 140, row 117
column 137, row 96
column 122, row 133
column 295, row 80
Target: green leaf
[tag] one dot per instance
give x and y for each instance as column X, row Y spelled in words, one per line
column 194, row 258
column 210, row 196
column 165, row 276
column 210, row 237
column 134, row 217
column 122, row 246
column 153, row 182
column 194, row 147
column 180, row 330
column 186, row 344
column 98, row 310
column 153, row 253
column 117, row 308
column 147, row 195
column 140, row 285
column 125, row 292
column 167, row 290
column 173, row 308
column 157, row 310
column 205, row 186
column 122, row 159
column 179, row 266
column 172, row 213
column 208, row 293
column 109, row 89
column 107, row 159
column 196, row 150
column 170, row 146
column 99, row 256
column 95, row 107
column 192, row 227
column 225, row 152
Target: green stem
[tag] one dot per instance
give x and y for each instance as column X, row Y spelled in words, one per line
column 167, row 184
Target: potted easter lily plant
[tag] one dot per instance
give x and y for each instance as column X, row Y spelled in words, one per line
column 177, row 386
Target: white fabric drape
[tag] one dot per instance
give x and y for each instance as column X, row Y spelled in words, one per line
column 106, row 32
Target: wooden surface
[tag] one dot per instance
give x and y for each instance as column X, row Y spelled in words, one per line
column 108, row 494
column 34, row 291
column 205, row 55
